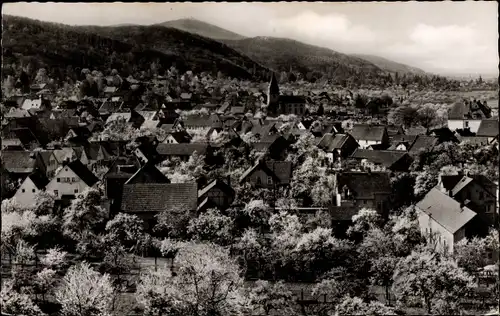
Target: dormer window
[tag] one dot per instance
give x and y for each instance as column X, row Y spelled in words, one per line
column 346, row 193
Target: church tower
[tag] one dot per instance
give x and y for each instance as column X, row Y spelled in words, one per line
column 273, row 93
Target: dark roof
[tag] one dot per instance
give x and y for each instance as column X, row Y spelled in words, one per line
column 280, row 170
column 444, row 134
column 39, row 179
column 386, row 158
column 488, row 128
column 157, row 197
column 455, row 183
column 397, row 139
column 181, row 149
column 423, row 142
column 83, row 172
column 219, row 184
column 292, row 99
column 181, row 136
column 365, row 184
column 148, row 174
column 26, row 136
column 468, row 110
column 331, row 142
column 368, row 132
column 445, row 210
column 18, row 161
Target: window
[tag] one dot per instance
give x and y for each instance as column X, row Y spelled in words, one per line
column 23, row 190
column 258, row 180
column 58, row 179
column 33, row 190
column 76, row 190
column 466, row 124
column 73, row 179
column 364, row 201
column 56, row 192
column 269, row 180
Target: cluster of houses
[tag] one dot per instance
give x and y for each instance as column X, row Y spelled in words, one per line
column 55, row 150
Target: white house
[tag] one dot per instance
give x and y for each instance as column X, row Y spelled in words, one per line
column 31, row 186
column 467, row 115
column 71, row 179
column 369, row 135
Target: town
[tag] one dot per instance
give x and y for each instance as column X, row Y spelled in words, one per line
column 181, row 192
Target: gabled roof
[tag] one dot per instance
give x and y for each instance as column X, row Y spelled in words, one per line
column 331, row 142
column 148, row 174
column 147, row 115
column 216, row 183
column 445, row 210
column 279, row 170
column 63, row 153
column 18, row 161
column 488, row 128
column 365, row 184
column 82, row 172
column 157, row 197
column 39, row 179
column 368, row 132
column 423, row 142
column 123, row 167
column 181, row 149
column 386, row 158
column 181, row 136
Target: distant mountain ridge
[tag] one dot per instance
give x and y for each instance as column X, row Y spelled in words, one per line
column 123, row 47
column 203, row 29
column 390, row 65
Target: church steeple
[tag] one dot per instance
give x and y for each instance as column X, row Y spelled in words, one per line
column 273, row 94
column 273, row 85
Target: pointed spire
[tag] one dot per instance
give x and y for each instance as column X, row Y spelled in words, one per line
column 273, row 85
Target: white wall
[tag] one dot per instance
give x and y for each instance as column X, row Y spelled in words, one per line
column 363, row 144
column 26, row 198
column 66, row 188
column 428, row 227
column 461, row 124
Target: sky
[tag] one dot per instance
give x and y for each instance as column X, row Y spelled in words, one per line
column 450, row 38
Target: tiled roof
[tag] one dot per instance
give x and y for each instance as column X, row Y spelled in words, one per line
column 147, row 115
column 181, row 149
column 445, row 210
column 18, row 161
column 365, row 184
column 157, row 197
column 460, row 185
column 368, row 132
column 488, row 128
column 181, row 136
column 423, row 142
column 331, row 142
column 386, row 158
column 148, row 174
column 216, row 183
column 280, row 170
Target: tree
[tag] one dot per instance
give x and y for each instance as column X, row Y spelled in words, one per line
column 172, row 223
column 251, row 250
column 356, row 306
column 365, row 220
column 126, row 229
column 403, row 115
column 207, row 283
column 265, row 297
column 44, row 203
column 85, row 292
column 14, row 303
column 424, row 182
column 211, row 226
column 431, row 279
column 471, row 254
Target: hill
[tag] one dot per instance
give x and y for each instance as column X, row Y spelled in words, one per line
column 203, row 29
column 125, row 48
column 280, row 54
column 389, row 65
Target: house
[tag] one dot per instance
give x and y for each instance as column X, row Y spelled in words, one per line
column 477, row 192
column 468, row 115
column 35, row 104
column 72, row 178
column 47, row 161
column 423, row 143
column 146, row 200
column 110, row 91
column 338, row 146
column 216, row 193
column 177, row 137
column 394, row 160
column 444, row 220
column 363, row 189
column 26, row 136
column 283, row 104
column 444, row 134
column 12, row 144
column 213, row 133
column 488, row 128
column 31, row 186
column 148, row 173
column 111, row 105
column 182, row 151
column 268, row 174
column 96, row 154
column 78, row 135
column 402, row 142
column 120, row 170
column 368, row 135
column 200, row 122
column 20, row 164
